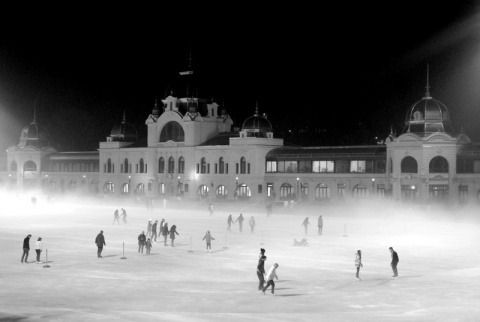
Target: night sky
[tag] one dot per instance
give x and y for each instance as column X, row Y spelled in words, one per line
column 333, row 75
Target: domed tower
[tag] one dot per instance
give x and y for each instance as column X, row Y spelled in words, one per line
column 33, row 135
column 428, row 116
column 257, row 126
column 124, row 132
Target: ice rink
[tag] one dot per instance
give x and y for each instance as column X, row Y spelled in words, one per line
column 439, row 269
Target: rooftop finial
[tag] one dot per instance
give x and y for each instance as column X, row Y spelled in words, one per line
column 256, row 108
column 427, row 93
column 124, row 117
column 34, row 112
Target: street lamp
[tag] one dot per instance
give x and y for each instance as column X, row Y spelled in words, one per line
column 129, row 177
column 373, row 187
column 298, row 189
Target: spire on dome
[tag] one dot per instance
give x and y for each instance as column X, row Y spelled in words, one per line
column 256, row 109
column 124, row 117
column 427, row 88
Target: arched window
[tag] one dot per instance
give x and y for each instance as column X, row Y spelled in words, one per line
column 142, row 166
column 202, row 191
column 125, row 188
column 171, row 165
column 140, row 188
column 161, row 189
column 322, row 192
column 243, row 165
column 161, row 165
column 243, row 191
column 72, row 185
column 125, row 166
column 203, row 165
column 172, row 131
column 286, row 192
column 221, row 192
column 13, row 166
column 181, row 165
column 30, row 166
column 409, row 165
column 438, row 165
column 109, row 166
column 109, row 187
column 221, row 165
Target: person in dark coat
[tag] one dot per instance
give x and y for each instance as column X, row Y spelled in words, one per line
column 229, row 222
column 240, row 222
column 394, row 262
column 116, row 217
column 173, row 231
column 305, row 224
column 262, row 253
column 160, row 230
column 100, row 241
column 141, row 241
column 26, row 248
column 320, row 225
column 154, row 231
column 261, row 272
column 165, row 233
column 124, row 216
column 358, row 263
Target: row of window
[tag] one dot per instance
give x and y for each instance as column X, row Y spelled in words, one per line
column 326, row 166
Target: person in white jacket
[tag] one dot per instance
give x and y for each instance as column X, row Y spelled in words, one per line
column 208, row 238
column 272, row 273
column 38, row 249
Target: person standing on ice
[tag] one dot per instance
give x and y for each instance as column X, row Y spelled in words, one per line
column 261, row 272
column 141, row 242
column 165, row 233
column 173, row 231
column 38, row 249
column 154, row 231
column 149, row 228
column 320, row 225
column 229, row 222
column 116, row 217
column 251, row 222
column 208, row 239
column 305, row 224
column 210, row 208
column 240, row 222
column 100, row 241
column 26, row 248
column 148, row 246
column 394, row 262
column 272, row 273
column 358, row 263
column 124, row 216
column 262, row 253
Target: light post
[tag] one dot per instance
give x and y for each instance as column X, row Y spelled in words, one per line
column 235, row 194
column 373, row 187
column 298, row 189
column 46, row 180
column 129, row 177
column 83, row 184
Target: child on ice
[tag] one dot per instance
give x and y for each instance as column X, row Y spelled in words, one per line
column 148, row 245
column 208, row 238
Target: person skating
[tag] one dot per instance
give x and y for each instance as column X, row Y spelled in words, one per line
column 261, row 272
column 173, row 231
column 165, row 233
column 210, row 208
column 262, row 253
column 272, row 273
column 26, row 248
column 148, row 246
column 116, row 217
column 208, row 239
column 240, row 222
column 141, row 241
column 251, row 222
column 320, row 225
column 394, row 262
column 38, row 249
column 149, row 228
column 124, row 216
column 161, row 227
column 154, row 231
column 305, row 224
column 100, row 241
column 358, row 263
column 229, row 222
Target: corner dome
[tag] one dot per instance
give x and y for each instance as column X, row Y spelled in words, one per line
column 257, row 125
column 33, row 135
column 124, row 132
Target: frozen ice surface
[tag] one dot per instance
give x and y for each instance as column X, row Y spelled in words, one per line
column 439, row 269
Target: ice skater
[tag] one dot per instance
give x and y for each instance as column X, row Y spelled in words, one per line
column 251, row 222
column 262, row 253
column 38, row 249
column 26, row 248
column 305, row 224
column 229, row 222
column 165, row 233
column 240, row 222
column 100, row 241
column 210, row 208
column 124, row 216
column 154, row 231
column 173, row 231
column 161, row 227
column 149, row 228
column 141, row 242
column 148, row 246
column 358, row 263
column 208, row 239
column 394, row 262
column 272, row 273
column 116, row 217
column 320, row 225
column 261, row 272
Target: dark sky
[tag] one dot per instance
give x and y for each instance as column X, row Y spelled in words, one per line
column 333, row 74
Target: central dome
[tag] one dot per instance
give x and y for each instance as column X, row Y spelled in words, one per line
column 33, row 135
column 257, row 125
column 124, row 132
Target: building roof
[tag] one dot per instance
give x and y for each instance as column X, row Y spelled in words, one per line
column 70, row 156
column 324, row 152
column 221, row 139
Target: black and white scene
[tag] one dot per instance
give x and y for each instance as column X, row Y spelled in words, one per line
column 240, row 163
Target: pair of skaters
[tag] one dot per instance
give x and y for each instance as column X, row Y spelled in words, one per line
column 26, row 248
column 116, row 216
column 393, row 263
column 272, row 273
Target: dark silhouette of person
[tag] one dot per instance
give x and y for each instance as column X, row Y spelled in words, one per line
column 229, row 222
column 261, row 272
column 141, row 242
column 124, row 216
column 26, row 248
column 100, row 241
column 165, row 233
column 240, row 222
column 116, row 217
column 173, row 231
column 305, row 224
column 394, row 262
column 320, row 225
